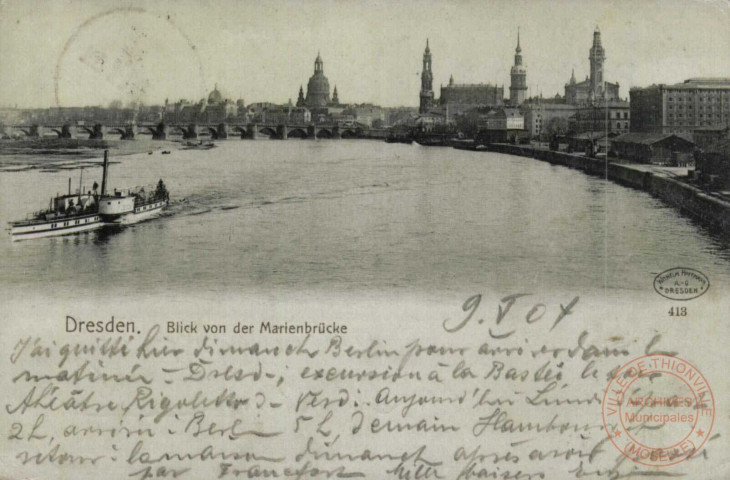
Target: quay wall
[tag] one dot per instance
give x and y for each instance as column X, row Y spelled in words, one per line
column 709, row 210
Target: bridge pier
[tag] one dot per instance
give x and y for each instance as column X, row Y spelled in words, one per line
column 129, row 132
column 222, row 131
column 336, row 132
column 159, row 132
column 36, row 131
column 311, row 132
column 191, row 132
column 253, row 131
column 97, row 133
column 282, row 132
column 66, row 131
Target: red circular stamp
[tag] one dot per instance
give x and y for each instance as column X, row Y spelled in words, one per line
column 658, row 410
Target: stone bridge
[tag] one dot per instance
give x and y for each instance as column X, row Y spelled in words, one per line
column 161, row 131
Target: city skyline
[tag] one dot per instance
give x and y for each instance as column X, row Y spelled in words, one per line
column 146, row 53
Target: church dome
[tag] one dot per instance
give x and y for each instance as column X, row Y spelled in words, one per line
column 215, row 96
column 318, row 87
column 318, row 91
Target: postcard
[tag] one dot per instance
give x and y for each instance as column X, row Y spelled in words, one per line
column 361, row 239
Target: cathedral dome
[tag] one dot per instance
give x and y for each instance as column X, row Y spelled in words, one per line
column 318, row 87
column 318, row 91
column 215, row 96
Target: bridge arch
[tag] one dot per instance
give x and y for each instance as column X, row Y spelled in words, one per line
column 324, row 133
column 348, row 133
column 213, row 133
column 271, row 132
column 298, row 133
column 87, row 130
column 241, row 130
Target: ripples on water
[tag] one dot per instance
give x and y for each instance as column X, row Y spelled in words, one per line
column 358, row 215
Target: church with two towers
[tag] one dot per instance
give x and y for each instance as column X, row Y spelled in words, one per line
column 456, row 98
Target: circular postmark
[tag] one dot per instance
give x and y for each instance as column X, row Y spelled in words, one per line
column 126, row 55
column 680, row 283
column 658, row 410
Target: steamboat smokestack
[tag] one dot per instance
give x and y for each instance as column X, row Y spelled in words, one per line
column 104, row 175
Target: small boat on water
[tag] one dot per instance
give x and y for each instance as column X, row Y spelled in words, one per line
column 83, row 212
column 199, row 146
column 399, row 138
column 433, row 140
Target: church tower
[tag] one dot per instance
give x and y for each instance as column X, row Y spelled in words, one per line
column 597, row 57
column 300, row 98
column 335, row 97
column 426, row 82
column 318, row 88
column 518, row 76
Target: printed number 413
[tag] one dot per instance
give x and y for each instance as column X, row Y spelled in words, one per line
column 678, row 312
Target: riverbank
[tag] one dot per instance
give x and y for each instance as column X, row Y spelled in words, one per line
column 54, row 154
column 698, row 204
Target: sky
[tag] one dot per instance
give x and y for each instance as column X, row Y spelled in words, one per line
column 84, row 52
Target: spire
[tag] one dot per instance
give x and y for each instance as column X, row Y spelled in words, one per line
column 597, row 37
column 572, row 77
column 335, row 96
column 300, row 98
column 318, row 63
column 451, row 80
column 426, row 95
column 518, row 50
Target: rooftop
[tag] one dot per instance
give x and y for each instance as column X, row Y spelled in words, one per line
column 647, row 138
column 691, row 84
column 471, row 85
column 708, row 80
column 550, row 106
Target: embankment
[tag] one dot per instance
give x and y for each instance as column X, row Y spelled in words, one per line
column 710, row 211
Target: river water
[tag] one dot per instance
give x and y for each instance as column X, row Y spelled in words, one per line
column 353, row 215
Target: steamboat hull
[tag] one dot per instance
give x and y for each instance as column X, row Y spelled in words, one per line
column 139, row 214
column 27, row 230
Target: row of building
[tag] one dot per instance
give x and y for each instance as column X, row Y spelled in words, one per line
column 591, row 105
column 590, row 111
column 316, row 106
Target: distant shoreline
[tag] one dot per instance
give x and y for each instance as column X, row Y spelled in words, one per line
column 53, row 154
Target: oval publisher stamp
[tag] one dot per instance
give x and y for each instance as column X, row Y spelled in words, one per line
column 680, row 283
column 658, row 410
